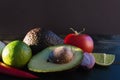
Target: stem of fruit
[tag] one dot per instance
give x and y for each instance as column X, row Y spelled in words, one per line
column 74, row 31
column 77, row 33
column 82, row 31
column 5, row 69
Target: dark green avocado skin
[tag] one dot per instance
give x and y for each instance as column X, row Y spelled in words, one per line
column 39, row 38
column 51, row 39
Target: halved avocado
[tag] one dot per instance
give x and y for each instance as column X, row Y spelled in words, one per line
column 40, row 63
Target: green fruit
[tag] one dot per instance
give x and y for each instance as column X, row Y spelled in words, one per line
column 2, row 45
column 42, row 61
column 39, row 38
column 16, row 54
column 104, row 59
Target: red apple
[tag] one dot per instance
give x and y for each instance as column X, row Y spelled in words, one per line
column 83, row 41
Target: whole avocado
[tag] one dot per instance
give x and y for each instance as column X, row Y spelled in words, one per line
column 39, row 38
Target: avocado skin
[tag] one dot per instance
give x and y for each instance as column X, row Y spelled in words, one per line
column 39, row 38
column 33, row 39
column 51, row 39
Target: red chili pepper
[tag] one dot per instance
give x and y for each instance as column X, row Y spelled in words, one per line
column 5, row 69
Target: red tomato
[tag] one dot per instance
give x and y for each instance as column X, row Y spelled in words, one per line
column 83, row 41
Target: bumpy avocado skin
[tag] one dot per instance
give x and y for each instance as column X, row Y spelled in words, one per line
column 33, row 39
column 39, row 38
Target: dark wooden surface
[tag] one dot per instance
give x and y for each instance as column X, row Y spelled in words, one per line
column 103, row 44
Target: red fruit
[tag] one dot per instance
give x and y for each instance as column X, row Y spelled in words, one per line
column 83, row 41
column 5, row 69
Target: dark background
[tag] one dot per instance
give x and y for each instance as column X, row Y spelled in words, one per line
column 99, row 16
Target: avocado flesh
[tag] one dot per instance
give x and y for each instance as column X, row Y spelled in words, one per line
column 39, row 62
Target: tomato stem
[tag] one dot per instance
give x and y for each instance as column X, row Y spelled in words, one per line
column 77, row 33
column 74, row 31
column 82, row 31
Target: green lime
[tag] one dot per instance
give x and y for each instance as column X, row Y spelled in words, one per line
column 104, row 59
column 16, row 54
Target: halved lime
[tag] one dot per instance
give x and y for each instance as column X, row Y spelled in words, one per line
column 104, row 59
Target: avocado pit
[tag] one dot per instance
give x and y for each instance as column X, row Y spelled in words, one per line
column 61, row 55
